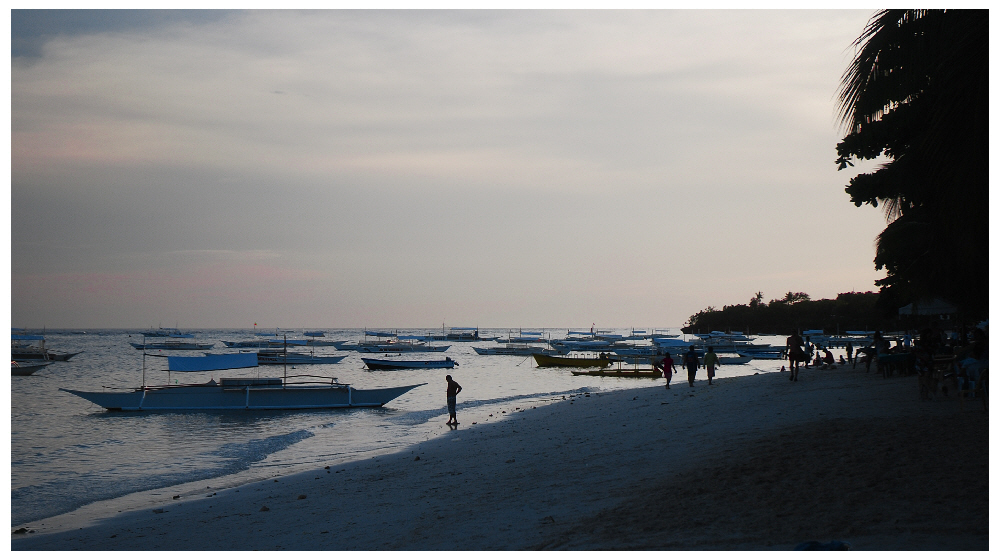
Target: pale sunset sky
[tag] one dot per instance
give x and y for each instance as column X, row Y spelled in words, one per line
column 343, row 168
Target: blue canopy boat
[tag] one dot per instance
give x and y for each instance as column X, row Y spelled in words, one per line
column 239, row 393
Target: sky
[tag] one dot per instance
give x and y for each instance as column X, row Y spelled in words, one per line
column 408, row 169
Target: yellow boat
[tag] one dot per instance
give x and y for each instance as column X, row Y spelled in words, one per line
column 545, row 360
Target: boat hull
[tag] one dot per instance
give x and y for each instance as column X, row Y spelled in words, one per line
column 295, row 359
column 173, row 346
column 43, row 355
column 546, row 360
column 509, row 351
column 374, row 364
column 620, row 372
column 734, row 360
column 763, row 355
column 22, row 368
column 394, row 348
column 248, row 397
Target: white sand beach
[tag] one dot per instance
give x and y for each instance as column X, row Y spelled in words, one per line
column 751, row 463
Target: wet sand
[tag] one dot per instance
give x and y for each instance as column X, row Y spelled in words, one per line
column 750, row 463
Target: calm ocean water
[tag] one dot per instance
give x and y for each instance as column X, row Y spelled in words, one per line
column 66, row 452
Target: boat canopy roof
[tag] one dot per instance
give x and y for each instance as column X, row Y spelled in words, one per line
column 381, row 334
column 212, row 362
column 314, row 333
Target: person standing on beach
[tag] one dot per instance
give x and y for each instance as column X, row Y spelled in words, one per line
column 850, row 352
column 711, row 360
column 668, row 365
column 692, row 363
column 453, row 390
column 793, row 347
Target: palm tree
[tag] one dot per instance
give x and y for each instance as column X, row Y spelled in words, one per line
column 917, row 94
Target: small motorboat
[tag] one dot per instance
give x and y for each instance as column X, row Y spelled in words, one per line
column 380, row 364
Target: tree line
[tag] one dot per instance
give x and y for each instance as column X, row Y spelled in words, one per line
column 795, row 312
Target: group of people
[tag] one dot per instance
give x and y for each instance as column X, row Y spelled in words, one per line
column 692, row 362
column 972, row 359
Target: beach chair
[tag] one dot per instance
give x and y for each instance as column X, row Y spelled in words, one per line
column 944, row 372
column 973, row 389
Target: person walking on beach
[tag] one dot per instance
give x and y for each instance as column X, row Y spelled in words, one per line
column 793, row 347
column 668, row 365
column 453, row 390
column 711, row 360
column 692, row 363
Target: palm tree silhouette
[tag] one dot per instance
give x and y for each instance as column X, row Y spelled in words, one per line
column 917, row 94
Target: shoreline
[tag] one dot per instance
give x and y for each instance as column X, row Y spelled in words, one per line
column 567, row 474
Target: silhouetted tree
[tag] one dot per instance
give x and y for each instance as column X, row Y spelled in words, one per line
column 917, row 93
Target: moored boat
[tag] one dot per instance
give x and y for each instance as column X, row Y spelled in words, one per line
column 27, row 367
column 32, row 347
column 239, row 393
column 264, row 343
column 278, row 358
column 163, row 333
column 380, row 364
column 734, row 360
column 547, row 360
column 173, row 345
column 395, row 347
column 512, row 349
column 763, row 354
column 620, row 372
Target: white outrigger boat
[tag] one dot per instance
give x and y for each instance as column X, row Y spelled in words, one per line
column 239, row 393
column 512, row 349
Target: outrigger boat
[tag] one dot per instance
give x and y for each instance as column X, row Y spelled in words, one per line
column 277, row 358
column 172, row 345
column 379, row 364
column 620, row 372
column 547, row 360
column 27, row 367
column 239, row 393
column 32, row 347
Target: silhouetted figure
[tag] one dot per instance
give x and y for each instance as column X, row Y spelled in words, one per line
column 691, row 362
column 711, row 360
column 793, row 348
column 668, row 368
column 453, row 390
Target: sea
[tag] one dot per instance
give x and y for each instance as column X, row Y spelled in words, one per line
column 67, row 453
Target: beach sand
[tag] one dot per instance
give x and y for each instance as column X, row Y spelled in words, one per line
column 751, row 463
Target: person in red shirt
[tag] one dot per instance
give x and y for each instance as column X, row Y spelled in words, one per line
column 668, row 368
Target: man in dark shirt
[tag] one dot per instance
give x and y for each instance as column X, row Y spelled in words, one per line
column 453, row 390
column 692, row 362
